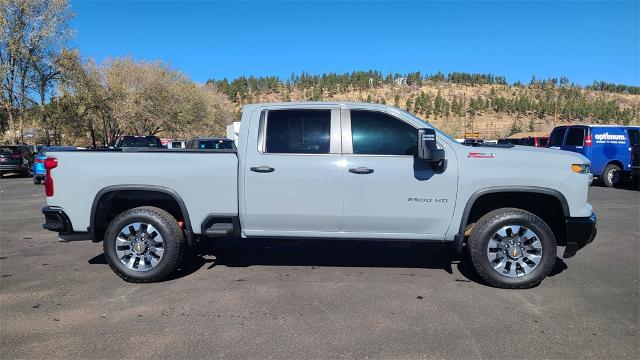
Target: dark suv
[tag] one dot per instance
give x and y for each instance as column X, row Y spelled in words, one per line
column 15, row 159
column 138, row 141
column 211, row 143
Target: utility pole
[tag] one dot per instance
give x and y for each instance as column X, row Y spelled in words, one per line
column 555, row 113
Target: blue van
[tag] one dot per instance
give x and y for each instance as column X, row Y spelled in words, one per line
column 609, row 148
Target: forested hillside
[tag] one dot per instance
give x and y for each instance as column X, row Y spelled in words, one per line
column 457, row 102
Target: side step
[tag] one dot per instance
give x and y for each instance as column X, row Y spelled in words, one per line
column 218, row 230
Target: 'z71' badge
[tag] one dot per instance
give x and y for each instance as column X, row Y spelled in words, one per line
column 479, row 155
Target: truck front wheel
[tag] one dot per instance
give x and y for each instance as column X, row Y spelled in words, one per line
column 512, row 248
column 144, row 244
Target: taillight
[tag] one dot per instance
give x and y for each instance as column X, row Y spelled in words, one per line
column 16, row 156
column 587, row 140
column 49, row 163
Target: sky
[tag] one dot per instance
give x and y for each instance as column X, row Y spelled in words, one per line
column 582, row 40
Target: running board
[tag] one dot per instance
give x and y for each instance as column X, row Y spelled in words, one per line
column 218, row 230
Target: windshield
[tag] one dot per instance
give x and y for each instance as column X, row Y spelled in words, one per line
column 215, row 144
column 140, row 141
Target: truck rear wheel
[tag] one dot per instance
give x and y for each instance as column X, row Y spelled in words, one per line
column 144, row 244
column 512, row 248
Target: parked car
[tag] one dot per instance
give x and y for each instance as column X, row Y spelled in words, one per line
column 138, row 141
column 509, row 141
column 537, row 141
column 215, row 143
column 176, row 144
column 609, row 147
column 38, row 163
column 327, row 170
column 472, row 142
column 15, row 159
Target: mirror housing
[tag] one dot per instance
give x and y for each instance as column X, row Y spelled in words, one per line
column 427, row 146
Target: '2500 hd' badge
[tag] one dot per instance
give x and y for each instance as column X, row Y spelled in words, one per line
column 480, row 155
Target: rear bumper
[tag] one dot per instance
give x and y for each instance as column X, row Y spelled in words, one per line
column 56, row 219
column 579, row 232
column 9, row 168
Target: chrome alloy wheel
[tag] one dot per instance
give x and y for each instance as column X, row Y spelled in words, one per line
column 139, row 246
column 514, row 251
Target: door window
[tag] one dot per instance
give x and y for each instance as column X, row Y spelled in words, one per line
column 556, row 137
column 575, row 136
column 376, row 133
column 298, row 131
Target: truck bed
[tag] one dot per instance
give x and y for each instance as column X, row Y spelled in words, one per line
column 200, row 178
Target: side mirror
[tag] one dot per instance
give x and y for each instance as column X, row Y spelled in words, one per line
column 427, row 146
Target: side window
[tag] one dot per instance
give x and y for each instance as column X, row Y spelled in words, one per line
column 376, row 133
column 298, row 131
column 634, row 137
column 575, row 136
column 556, row 137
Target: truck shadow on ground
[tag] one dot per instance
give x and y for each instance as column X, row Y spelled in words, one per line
column 328, row 253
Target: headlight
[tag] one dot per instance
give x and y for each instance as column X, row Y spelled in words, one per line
column 580, row 168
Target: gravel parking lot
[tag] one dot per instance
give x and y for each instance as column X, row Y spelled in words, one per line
column 315, row 299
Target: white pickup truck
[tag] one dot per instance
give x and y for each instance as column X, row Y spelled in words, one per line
column 327, row 170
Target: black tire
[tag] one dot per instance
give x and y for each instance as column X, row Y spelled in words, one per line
column 488, row 225
column 36, row 180
column 614, row 179
column 173, row 237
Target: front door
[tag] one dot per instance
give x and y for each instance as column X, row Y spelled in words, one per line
column 293, row 179
column 388, row 192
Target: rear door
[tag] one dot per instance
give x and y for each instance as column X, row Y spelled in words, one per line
column 293, row 182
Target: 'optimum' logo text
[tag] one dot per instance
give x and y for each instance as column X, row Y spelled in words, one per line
column 607, row 136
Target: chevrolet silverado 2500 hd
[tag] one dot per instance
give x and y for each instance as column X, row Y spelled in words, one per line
column 327, row 170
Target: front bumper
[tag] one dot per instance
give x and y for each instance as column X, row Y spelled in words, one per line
column 579, row 233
